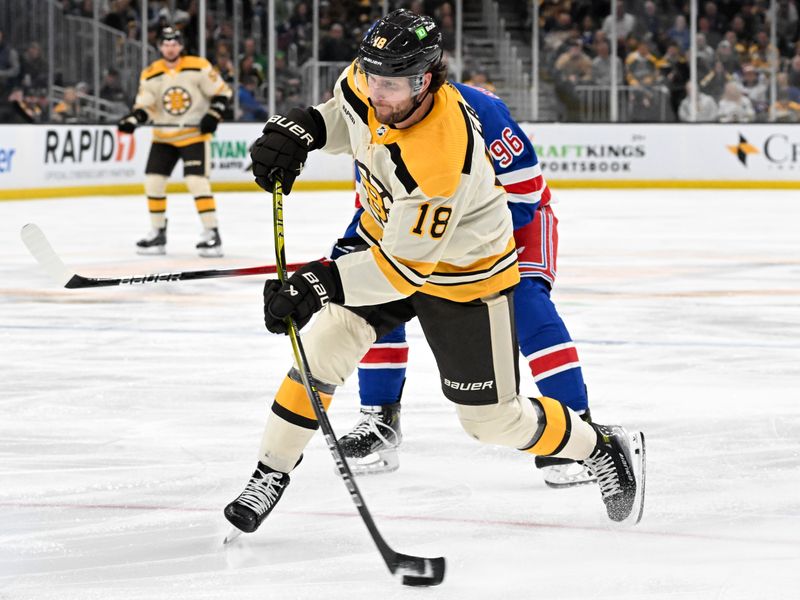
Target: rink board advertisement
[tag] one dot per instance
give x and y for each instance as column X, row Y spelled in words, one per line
column 68, row 160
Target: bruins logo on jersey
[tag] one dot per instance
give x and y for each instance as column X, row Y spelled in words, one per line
column 176, row 101
column 378, row 199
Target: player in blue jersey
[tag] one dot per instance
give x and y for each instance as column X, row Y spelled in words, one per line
column 371, row 447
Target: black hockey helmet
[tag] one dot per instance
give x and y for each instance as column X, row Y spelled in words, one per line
column 400, row 44
column 171, row 34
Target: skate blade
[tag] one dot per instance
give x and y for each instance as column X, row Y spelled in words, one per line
column 232, row 535
column 638, row 461
column 375, row 463
column 210, row 252
column 152, row 251
column 567, row 476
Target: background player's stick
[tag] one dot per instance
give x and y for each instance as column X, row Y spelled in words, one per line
column 414, row 570
column 43, row 252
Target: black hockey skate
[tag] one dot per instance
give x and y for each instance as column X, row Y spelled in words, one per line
column 210, row 244
column 154, row 242
column 565, row 472
column 371, row 447
column 618, row 462
column 259, row 497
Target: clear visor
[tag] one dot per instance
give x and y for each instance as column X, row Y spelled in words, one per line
column 388, row 89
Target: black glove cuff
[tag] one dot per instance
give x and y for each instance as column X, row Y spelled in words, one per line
column 337, row 293
column 140, row 115
column 218, row 105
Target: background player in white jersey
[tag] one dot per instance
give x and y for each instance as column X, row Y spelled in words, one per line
column 186, row 94
column 441, row 249
column 371, row 447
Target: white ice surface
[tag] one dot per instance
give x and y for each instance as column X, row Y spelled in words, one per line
column 130, row 416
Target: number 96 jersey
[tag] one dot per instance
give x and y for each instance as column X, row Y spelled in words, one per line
column 436, row 221
column 179, row 95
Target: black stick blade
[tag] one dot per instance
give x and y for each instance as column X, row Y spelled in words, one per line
column 418, row 571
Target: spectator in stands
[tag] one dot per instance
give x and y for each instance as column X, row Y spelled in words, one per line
column 249, row 68
column 111, row 88
column 19, row 108
column 120, row 12
column 651, row 23
column 34, row 68
column 713, row 38
column 286, row 78
column 9, row 67
column 794, row 71
column 716, row 22
column 706, row 107
column 679, row 33
column 224, row 65
column 674, row 73
column 642, row 66
column 250, row 50
column 478, row 78
column 761, row 53
column 642, row 74
column 753, row 84
column 251, row 109
column 601, row 65
column 334, row 47
column 68, row 110
column 715, row 80
column 572, row 68
column 626, row 23
column 448, row 29
column 705, row 55
column 558, row 32
column 728, row 58
column 786, row 108
column 787, row 24
column 735, row 107
column 588, row 31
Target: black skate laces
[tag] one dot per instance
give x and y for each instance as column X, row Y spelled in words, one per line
column 370, row 423
column 601, row 464
column 261, row 494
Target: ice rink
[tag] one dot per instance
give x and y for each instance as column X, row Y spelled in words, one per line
column 131, row 416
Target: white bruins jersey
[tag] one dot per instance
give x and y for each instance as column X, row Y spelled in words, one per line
column 435, row 219
column 179, row 95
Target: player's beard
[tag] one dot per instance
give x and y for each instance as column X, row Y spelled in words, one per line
column 390, row 115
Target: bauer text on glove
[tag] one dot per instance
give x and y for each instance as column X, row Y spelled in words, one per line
column 283, row 149
column 300, row 296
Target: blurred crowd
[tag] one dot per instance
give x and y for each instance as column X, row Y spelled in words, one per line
column 734, row 56
column 734, row 59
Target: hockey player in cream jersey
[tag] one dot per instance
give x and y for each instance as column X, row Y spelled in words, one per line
column 441, row 249
column 187, row 94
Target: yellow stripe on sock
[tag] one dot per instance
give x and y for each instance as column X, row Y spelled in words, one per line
column 157, row 204
column 205, row 203
column 292, row 396
column 554, row 430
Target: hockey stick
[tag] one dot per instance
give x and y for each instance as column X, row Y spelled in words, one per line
column 43, row 252
column 413, row 570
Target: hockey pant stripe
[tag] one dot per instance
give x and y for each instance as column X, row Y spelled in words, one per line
column 292, row 404
column 157, row 204
column 555, row 424
column 205, row 204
